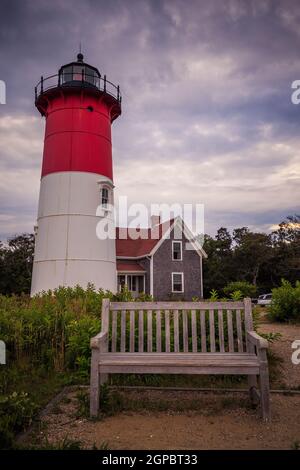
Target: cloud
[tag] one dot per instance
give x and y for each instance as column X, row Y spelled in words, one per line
column 207, row 114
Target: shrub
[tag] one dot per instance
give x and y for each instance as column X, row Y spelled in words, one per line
column 285, row 304
column 245, row 288
column 16, row 413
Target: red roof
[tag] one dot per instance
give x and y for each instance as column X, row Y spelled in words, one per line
column 128, row 245
column 134, row 266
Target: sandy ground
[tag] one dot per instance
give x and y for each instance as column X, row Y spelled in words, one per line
column 205, row 420
column 289, row 374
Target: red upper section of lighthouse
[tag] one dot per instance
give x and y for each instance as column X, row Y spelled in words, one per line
column 79, row 109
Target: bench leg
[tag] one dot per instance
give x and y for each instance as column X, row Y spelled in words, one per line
column 264, row 391
column 94, row 385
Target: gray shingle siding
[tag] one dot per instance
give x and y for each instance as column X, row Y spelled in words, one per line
column 163, row 266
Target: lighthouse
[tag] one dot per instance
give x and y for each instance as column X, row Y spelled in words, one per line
column 79, row 106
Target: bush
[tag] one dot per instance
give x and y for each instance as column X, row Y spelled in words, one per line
column 44, row 335
column 245, row 288
column 16, row 413
column 285, row 304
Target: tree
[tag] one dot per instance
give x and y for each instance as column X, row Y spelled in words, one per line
column 246, row 289
column 286, row 243
column 16, row 259
column 250, row 254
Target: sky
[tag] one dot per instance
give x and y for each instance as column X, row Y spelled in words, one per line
column 207, row 115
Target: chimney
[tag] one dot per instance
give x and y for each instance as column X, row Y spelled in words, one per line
column 155, row 220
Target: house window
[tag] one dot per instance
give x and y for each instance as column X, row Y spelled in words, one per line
column 177, row 251
column 177, row 282
column 104, row 197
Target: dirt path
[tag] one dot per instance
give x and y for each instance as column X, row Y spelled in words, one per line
column 288, row 375
column 221, row 422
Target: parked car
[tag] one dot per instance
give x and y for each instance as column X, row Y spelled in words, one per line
column 264, row 300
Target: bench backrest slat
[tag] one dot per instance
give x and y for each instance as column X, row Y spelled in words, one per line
column 158, row 331
column 149, row 331
column 176, row 331
column 194, row 332
column 114, row 331
column 123, row 330
column 185, row 331
column 174, row 305
column 141, row 331
column 203, row 331
column 230, row 331
column 167, row 331
column 221, row 330
column 132, row 330
column 177, row 326
column 212, row 330
column 239, row 331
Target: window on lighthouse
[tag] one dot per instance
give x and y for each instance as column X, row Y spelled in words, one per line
column 104, row 197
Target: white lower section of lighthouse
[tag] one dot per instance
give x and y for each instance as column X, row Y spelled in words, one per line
column 67, row 249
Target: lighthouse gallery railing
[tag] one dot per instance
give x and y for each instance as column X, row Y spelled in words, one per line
column 85, row 80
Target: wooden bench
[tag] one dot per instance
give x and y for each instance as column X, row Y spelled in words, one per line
column 179, row 338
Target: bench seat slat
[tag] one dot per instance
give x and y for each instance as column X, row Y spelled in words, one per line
column 183, row 362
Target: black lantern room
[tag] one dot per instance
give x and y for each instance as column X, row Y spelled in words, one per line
column 79, row 73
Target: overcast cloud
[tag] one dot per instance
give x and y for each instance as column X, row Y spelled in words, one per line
column 207, row 113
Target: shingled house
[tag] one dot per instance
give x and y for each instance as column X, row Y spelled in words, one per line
column 164, row 260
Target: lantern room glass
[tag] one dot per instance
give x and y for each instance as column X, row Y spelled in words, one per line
column 73, row 74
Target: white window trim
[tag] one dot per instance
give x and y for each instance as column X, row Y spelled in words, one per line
column 106, row 184
column 182, row 282
column 173, row 242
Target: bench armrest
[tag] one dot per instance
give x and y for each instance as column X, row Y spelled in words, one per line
column 98, row 339
column 257, row 340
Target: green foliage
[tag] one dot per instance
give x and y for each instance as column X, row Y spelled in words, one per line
column 245, row 288
column 271, row 337
column 83, row 400
column 16, row 258
column 16, row 413
column 257, row 258
column 285, row 304
column 64, row 444
column 236, row 295
column 45, row 334
column 295, row 445
column 214, row 296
